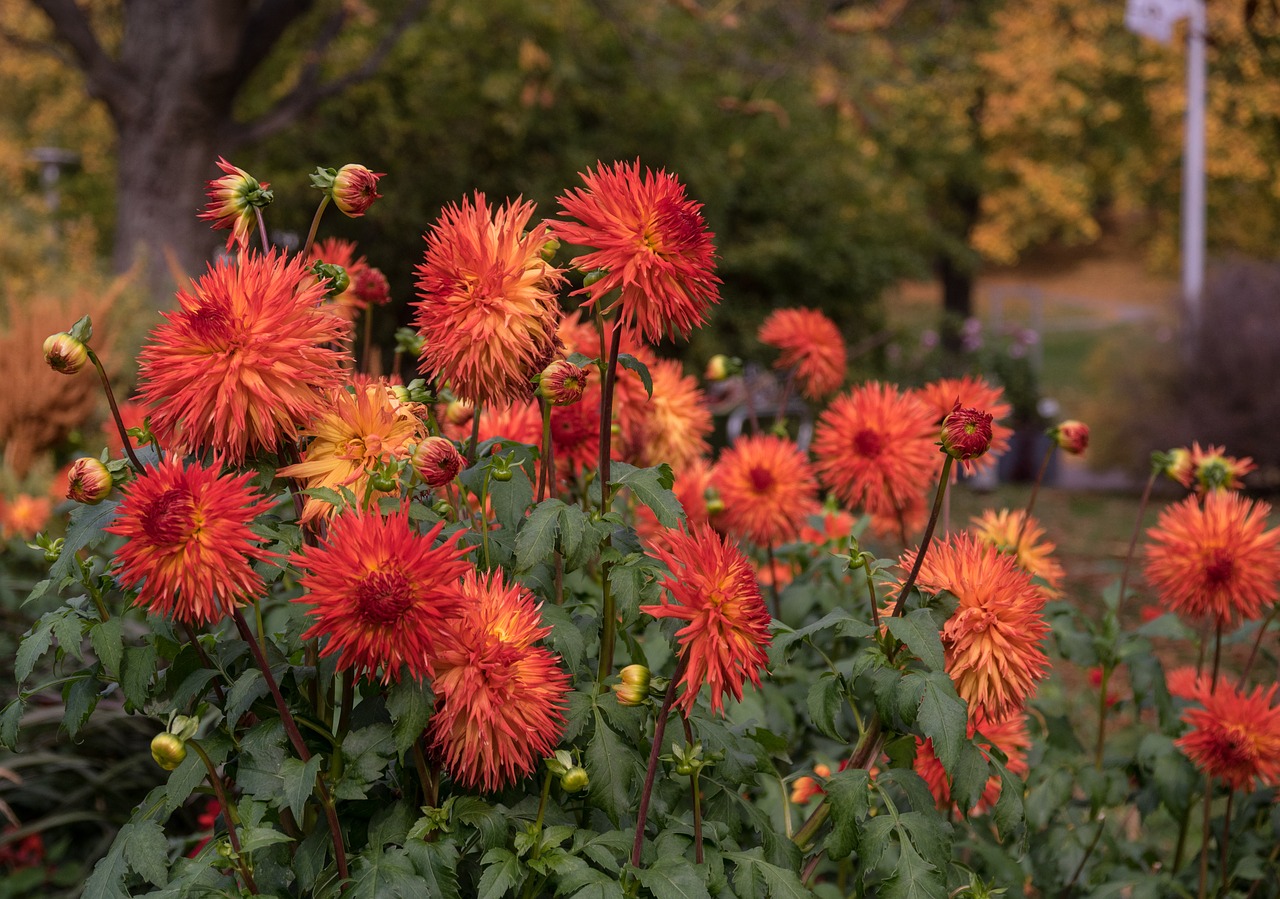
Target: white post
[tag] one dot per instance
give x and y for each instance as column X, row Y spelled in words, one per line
column 1193, row 178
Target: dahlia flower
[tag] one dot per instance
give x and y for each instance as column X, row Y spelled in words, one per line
column 1235, row 735
column 767, row 487
column 811, row 345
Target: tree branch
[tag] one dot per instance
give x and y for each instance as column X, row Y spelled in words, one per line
column 310, row 92
column 262, row 31
column 104, row 77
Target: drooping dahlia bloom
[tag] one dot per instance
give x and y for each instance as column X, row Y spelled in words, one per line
column 992, row 640
column 1032, row 554
column 1235, row 736
column 876, row 448
column 673, row 425
column 1215, row 560
column 189, row 550
column 487, row 307
column 1009, row 735
column 1209, row 469
column 232, row 201
column 650, row 241
column 942, row 395
column 380, row 592
column 500, row 699
column 360, row 431
column 244, row 361
column 714, row 589
column 767, row 487
column 811, row 346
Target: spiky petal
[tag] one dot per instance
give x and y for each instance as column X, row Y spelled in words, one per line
column 1235, row 735
column 767, row 487
column 811, row 346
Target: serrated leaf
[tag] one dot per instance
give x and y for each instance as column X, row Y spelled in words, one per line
column 841, row 622
column 651, row 486
column 80, row 698
column 969, row 778
column 262, row 756
column 779, row 883
column 10, row 721
column 33, row 646
column 850, row 802
column 68, row 630
column 565, row 638
column 107, row 639
column 299, row 782
column 511, row 498
column 588, row 883
column 1009, row 813
column 501, row 874
column 84, row 529
column 825, row 699
column 136, row 671
column 630, row 362
column 536, row 538
column 913, row 785
column 366, row 753
column 489, row 822
column 384, row 875
column 944, row 719
column 309, row 858
column 254, row 838
column 672, row 877
column 437, row 865
column 249, row 687
column 608, row 850
column 108, row 877
column 146, row 850
column 913, row 878
column 614, row 770
column 409, row 703
column 920, row 634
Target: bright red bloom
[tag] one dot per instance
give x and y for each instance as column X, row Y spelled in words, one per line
column 992, row 640
column 189, row 550
column 811, row 346
column 233, row 199
column 715, row 590
column 1215, row 560
column 1072, row 436
column 1009, row 735
column 381, row 591
column 966, row 434
column 651, row 242
column 876, row 448
column 768, row 489
column 355, row 188
column 487, row 307
column 245, row 360
column 500, row 699
column 1235, row 736
column 942, row 395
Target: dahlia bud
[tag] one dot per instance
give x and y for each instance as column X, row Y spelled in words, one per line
column 630, row 694
column 1176, row 464
column 65, row 353
column 1072, row 436
column 593, row 276
column 721, row 366
column 88, row 481
column 168, row 751
column 400, row 392
column 966, row 433
column 233, row 203
column 336, row 275
column 561, row 383
column 635, row 676
column 437, row 461
column 354, row 189
column 459, row 412
column 575, row 780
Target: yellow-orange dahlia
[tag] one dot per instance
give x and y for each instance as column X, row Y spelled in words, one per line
column 1215, row 560
column 992, row 640
column 487, row 307
column 713, row 587
column 25, row 515
column 380, row 592
column 189, row 550
column 674, row 423
column 767, row 487
column 1033, row 554
column 500, row 698
column 361, row 431
column 1235, row 735
column 244, row 361
column 811, row 346
column 651, row 243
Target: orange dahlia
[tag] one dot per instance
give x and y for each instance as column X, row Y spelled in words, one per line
column 1032, row 554
column 500, row 699
column 942, row 395
column 992, row 640
column 1209, row 469
column 876, row 448
column 1235, row 735
column 25, row 515
column 1215, row 560
column 650, row 241
column 360, row 432
column 487, row 307
column 714, row 589
column 1009, row 735
column 805, row 788
column 768, row 489
column 1185, row 682
column 380, row 592
column 189, row 550
column 672, row 425
column 811, row 346
column 245, row 359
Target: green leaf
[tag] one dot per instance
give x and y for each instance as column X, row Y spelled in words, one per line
column 615, row 771
column 262, row 756
column 943, row 718
column 254, row 838
column 80, row 697
column 920, row 634
column 841, row 622
column 384, row 875
column 825, row 699
column 85, row 529
column 10, row 720
column 969, row 778
column 536, row 538
column 1009, row 813
column 588, row 883
column 913, row 878
column 651, row 486
column 409, row 703
column 108, row 877
column 672, row 877
column 489, row 822
column 628, row 361
column 146, row 850
column 248, row 688
column 779, row 882
column 565, row 638
column 437, row 865
column 184, row 779
column 135, row 677
column 107, row 638
column 366, row 752
column 35, row 643
column 68, row 630
column 917, row 791
column 299, row 782
column 501, row 873
column 847, row 792
column 511, row 498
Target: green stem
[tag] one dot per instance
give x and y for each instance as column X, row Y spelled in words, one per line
column 608, row 610
column 695, row 794
column 1253, row 653
column 1204, row 837
column 215, row 781
column 1224, row 847
column 315, row 225
column 115, row 410
column 1031, row 500
column 546, row 469
column 943, row 479
column 1133, row 540
column 773, row 584
column 262, row 229
column 659, row 729
column 1102, row 717
column 542, row 802
column 475, row 434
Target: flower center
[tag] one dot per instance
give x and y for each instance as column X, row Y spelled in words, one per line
column 761, row 478
column 210, row 324
column 170, row 518
column 868, row 443
column 1218, row 567
column 383, row 597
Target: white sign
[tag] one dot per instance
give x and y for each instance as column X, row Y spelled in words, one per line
column 1155, row 18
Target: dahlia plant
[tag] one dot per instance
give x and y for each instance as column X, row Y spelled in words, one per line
column 412, row 639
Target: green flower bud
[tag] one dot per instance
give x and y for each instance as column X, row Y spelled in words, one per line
column 168, row 751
